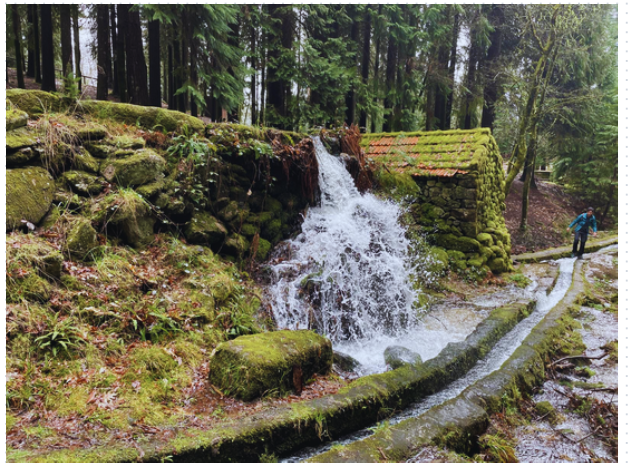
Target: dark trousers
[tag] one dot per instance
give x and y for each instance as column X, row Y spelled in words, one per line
column 579, row 236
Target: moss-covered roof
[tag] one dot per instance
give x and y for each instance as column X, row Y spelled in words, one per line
column 433, row 153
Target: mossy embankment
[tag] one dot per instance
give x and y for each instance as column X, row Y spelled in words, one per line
column 130, row 232
column 458, row 423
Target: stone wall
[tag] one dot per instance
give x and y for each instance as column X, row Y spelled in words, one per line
column 116, row 165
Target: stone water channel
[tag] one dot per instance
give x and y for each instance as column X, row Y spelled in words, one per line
column 546, row 298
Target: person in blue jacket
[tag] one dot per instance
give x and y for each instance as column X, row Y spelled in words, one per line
column 583, row 222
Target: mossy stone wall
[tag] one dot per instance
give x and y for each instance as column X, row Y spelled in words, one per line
column 111, row 156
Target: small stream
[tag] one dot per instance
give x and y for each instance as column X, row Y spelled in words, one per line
column 494, row 359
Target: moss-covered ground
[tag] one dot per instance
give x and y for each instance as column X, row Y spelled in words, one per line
column 115, row 349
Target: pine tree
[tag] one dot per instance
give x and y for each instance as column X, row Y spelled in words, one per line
column 47, row 49
column 17, row 37
column 77, row 43
column 65, row 27
column 102, row 38
column 137, row 86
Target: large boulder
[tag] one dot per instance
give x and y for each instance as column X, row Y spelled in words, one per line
column 29, row 195
column 81, row 239
column 127, row 216
column 203, row 228
column 398, row 356
column 145, row 166
column 269, row 363
column 33, row 102
column 148, row 117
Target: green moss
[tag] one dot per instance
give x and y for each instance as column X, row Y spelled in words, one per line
column 151, row 190
column 458, row 243
column 81, row 240
column 253, row 365
column 29, row 193
column 82, row 183
column 236, row 245
column 203, row 228
column 145, row 166
column 19, row 138
column 263, row 249
column 126, row 215
column 396, row 185
column 272, row 231
column 33, row 102
column 15, row 119
column 148, row 117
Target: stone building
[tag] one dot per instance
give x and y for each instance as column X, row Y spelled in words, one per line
column 460, row 201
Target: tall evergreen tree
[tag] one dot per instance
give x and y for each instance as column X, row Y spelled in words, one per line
column 65, row 27
column 102, row 38
column 137, row 86
column 77, row 43
column 47, row 49
column 17, row 37
column 154, row 63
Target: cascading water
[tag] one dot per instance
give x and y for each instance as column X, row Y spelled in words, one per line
column 348, row 274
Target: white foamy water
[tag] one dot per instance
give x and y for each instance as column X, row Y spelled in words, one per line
column 348, row 275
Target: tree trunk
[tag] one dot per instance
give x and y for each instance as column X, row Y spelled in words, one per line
column 529, row 170
column 278, row 88
column 102, row 39
column 389, row 100
column 194, row 111
column 171, row 77
column 122, row 16
column 37, row 44
column 17, row 35
column 154, row 64
column 493, row 82
column 65, row 27
column 48, row 50
column 77, row 45
column 350, row 99
column 30, row 18
column 136, row 65
column 451, row 71
column 114, row 41
column 376, row 67
column 469, row 107
column 184, row 69
column 366, row 55
column 518, row 155
column 176, row 72
column 253, row 63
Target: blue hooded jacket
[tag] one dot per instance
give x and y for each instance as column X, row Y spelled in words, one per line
column 584, row 223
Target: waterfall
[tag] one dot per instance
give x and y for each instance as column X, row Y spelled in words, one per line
column 347, row 275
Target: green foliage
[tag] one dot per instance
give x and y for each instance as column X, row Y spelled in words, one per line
column 62, row 336
column 520, row 280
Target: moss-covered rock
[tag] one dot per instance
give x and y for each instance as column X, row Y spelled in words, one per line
column 82, row 183
column 21, row 157
column 127, row 216
column 81, row 239
column 272, row 230
column 236, row 245
column 268, row 363
column 84, row 161
column 29, row 195
column 498, row 265
column 203, row 228
column 459, row 243
column 398, row 356
column 263, row 249
column 91, row 132
column 439, row 260
column 151, row 190
column 19, row 138
column 15, row 119
column 148, row 117
column 145, row 166
column 33, row 102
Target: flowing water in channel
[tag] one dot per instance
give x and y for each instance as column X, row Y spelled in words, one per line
column 348, row 275
column 494, row 359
